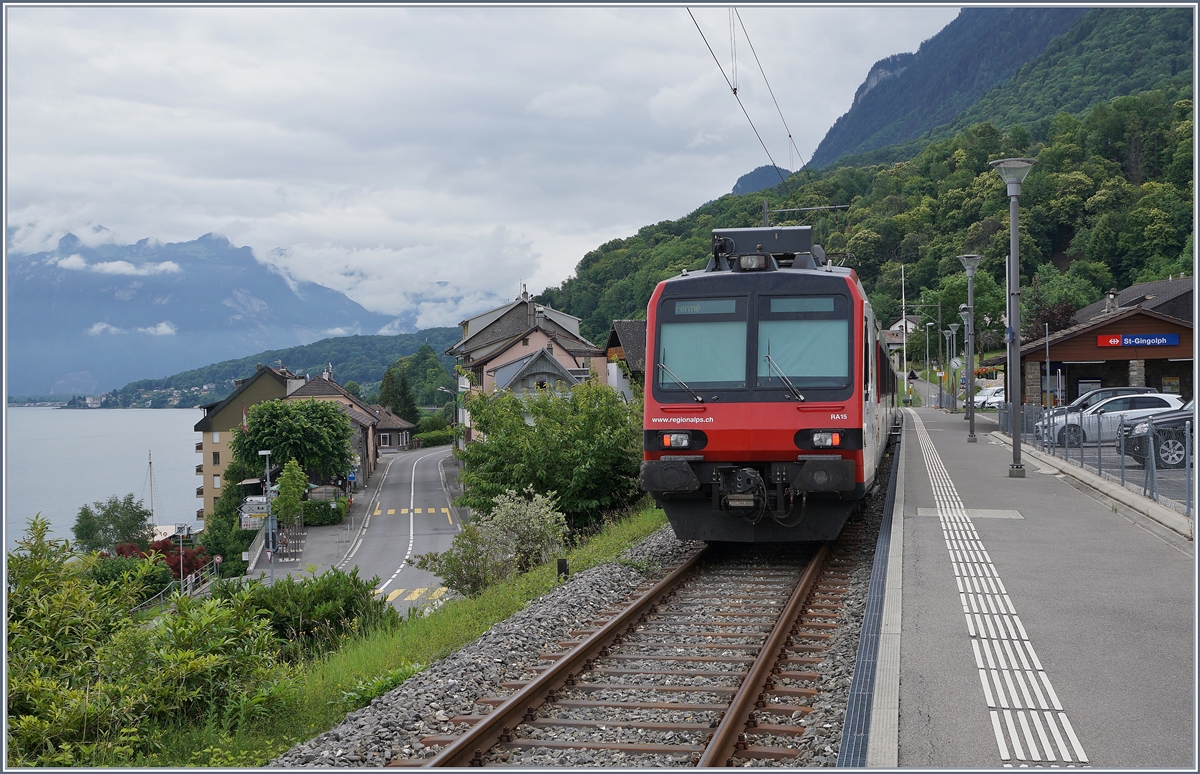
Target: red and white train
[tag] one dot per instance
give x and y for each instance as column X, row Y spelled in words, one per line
column 769, row 393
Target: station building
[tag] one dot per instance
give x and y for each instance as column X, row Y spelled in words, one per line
column 1138, row 337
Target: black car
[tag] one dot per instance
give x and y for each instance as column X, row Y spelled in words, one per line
column 1169, row 435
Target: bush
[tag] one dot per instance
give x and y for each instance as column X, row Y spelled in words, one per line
column 320, row 512
column 431, row 423
column 531, row 522
column 477, row 558
column 125, row 569
column 434, row 438
column 586, row 447
column 314, row 616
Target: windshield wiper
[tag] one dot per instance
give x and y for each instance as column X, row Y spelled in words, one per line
column 771, row 362
column 696, row 397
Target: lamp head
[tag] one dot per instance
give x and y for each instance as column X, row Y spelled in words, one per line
column 1013, row 171
column 265, row 453
column 954, row 327
column 928, row 325
column 970, row 262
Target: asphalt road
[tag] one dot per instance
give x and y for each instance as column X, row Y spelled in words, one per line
column 410, row 513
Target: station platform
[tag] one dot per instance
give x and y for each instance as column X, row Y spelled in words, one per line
column 1038, row 626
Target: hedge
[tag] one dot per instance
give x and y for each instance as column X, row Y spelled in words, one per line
column 320, row 512
column 434, row 438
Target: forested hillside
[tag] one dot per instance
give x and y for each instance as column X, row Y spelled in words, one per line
column 1109, row 202
column 362, row 359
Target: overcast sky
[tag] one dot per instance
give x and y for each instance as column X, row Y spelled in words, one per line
column 428, row 157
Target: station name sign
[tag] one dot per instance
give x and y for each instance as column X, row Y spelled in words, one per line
column 1138, row 340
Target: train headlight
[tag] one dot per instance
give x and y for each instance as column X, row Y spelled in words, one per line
column 676, row 440
column 753, row 262
column 826, row 439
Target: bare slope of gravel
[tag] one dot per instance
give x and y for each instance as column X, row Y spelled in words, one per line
column 393, row 724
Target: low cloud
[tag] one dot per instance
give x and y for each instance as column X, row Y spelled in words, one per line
column 77, row 262
column 101, row 328
column 162, row 329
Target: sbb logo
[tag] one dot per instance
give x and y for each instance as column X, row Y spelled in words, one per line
column 1109, row 340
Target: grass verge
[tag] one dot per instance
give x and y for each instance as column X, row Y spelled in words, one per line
column 320, row 699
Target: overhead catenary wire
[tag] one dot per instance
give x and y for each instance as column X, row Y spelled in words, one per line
column 734, row 90
column 788, row 129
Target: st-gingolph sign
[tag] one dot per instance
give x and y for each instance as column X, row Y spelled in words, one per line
column 1138, row 340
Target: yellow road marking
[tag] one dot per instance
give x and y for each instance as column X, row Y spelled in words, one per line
column 376, row 509
column 391, row 511
column 403, row 510
column 415, row 593
column 447, row 512
column 395, row 594
column 378, row 591
column 438, row 593
column 416, row 510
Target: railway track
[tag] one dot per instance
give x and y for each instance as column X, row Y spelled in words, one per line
column 714, row 665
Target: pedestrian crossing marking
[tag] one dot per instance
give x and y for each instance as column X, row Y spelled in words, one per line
column 391, row 511
column 414, row 594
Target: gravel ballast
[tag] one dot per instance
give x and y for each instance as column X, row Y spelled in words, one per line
column 393, row 724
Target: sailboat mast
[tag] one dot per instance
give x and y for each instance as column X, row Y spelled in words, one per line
column 153, row 515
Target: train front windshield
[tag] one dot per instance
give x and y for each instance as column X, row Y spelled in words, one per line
column 743, row 342
column 807, row 339
column 702, row 343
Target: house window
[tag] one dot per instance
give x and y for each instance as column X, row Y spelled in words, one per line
column 216, row 482
column 385, row 439
column 524, row 342
column 216, row 458
column 216, row 437
column 549, row 346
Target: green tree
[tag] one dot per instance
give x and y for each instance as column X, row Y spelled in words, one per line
column 222, row 533
column 102, row 526
column 315, row 433
column 406, row 402
column 389, row 391
column 292, row 485
column 353, row 388
column 584, row 448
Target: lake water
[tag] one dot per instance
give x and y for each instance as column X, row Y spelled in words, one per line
column 57, row 460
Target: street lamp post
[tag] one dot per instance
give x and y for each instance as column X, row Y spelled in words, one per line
column 1013, row 171
column 266, row 454
column 928, row 325
column 970, row 263
column 953, row 354
column 453, row 395
column 943, row 370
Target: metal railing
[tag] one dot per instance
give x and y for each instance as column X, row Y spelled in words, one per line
column 1154, row 461
column 199, row 580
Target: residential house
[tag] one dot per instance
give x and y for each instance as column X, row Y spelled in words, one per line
column 394, row 433
column 1172, row 297
column 626, row 344
column 906, row 324
column 363, row 420
column 216, row 427
column 518, row 331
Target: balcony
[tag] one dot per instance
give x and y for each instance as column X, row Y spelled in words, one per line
column 199, row 491
column 199, row 514
column 200, row 469
column 200, row 446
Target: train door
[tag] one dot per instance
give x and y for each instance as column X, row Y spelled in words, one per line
column 870, row 394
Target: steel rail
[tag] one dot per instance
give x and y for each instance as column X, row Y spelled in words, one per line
column 724, row 740
column 524, row 703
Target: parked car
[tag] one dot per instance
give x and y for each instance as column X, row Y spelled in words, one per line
column 1092, row 397
column 989, row 397
column 1169, row 437
column 1102, row 421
